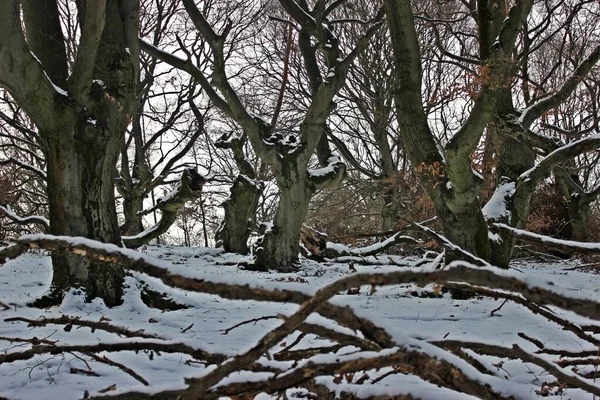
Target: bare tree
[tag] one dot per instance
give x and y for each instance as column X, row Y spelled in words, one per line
column 81, row 111
column 288, row 158
column 446, row 173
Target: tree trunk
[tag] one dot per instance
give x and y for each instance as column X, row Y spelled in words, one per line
column 132, row 206
column 280, row 245
column 240, row 209
column 467, row 228
column 81, row 119
column 81, row 203
column 514, row 155
column 392, row 205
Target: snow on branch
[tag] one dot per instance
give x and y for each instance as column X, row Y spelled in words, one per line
column 189, row 188
column 442, row 364
column 564, row 246
column 545, row 166
column 42, row 222
column 317, row 245
column 35, row 170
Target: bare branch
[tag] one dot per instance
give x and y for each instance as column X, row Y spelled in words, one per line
column 42, row 222
column 534, row 112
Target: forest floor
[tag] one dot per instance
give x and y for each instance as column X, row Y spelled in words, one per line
column 408, row 310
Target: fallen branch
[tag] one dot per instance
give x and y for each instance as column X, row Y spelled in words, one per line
column 70, row 321
column 516, row 352
column 250, row 321
column 444, row 242
column 127, row 370
column 318, row 246
column 547, row 242
column 211, row 358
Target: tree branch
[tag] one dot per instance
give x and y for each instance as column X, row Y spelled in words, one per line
column 42, row 222
column 92, row 25
column 189, row 187
column 536, row 110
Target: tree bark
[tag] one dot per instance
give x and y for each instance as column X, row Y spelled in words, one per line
column 240, row 209
column 81, row 121
column 188, row 188
column 280, row 245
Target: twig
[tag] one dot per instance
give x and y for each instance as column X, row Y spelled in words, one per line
column 34, row 341
column 536, row 342
column 291, row 345
column 122, row 367
column 87, row 372
column 495, row 310
column 253, row 320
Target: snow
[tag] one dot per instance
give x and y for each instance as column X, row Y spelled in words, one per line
column 143, row 233
column 412, row 321
column 553, row 241
column 30, row 219
column 169, row 195
column 332, row 162
column 496, row 207
column 525, row 176
column 58, row 89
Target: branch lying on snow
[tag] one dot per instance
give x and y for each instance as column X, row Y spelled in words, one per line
column 443, row 241
column 161, row 347
column 316, row 243
column 535, row 308
column 42, row 222
column 550, row 243
column 148, row 265
column 189, row 188
column 518, row 353
column 439, row 372
column 69, row 322
column 413, row 356
column 108, row 361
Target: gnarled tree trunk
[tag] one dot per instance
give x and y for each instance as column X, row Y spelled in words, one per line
column 280, row 245
column 81, row 120
column 240, row 209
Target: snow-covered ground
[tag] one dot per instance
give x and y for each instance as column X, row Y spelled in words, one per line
column 404, row 311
